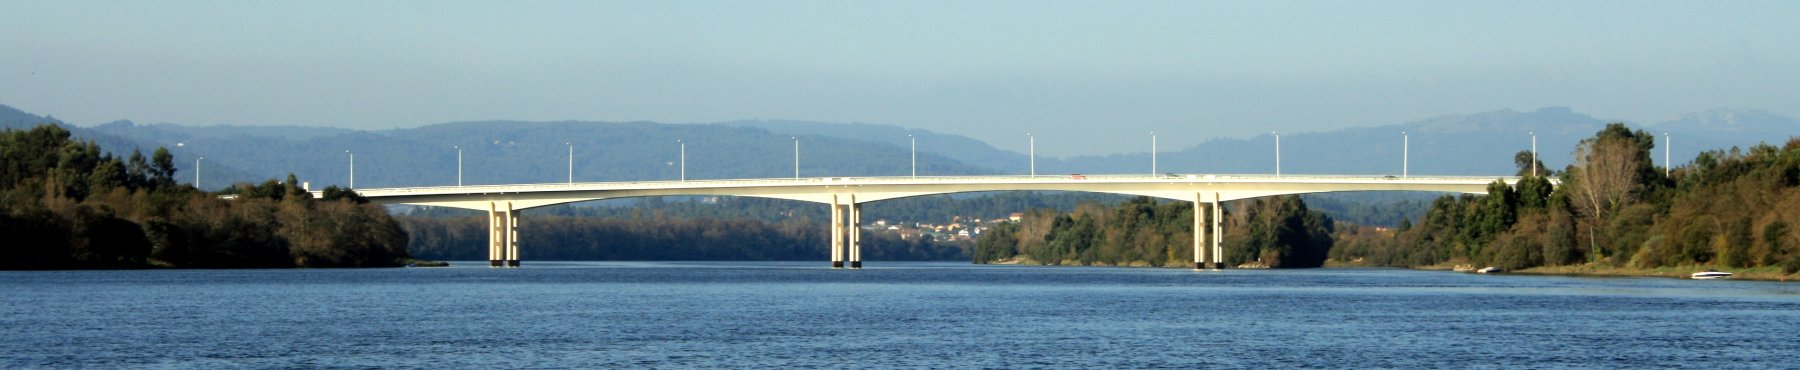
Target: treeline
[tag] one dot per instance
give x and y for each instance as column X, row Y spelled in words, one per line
column 1276, row 232
column 561, row 237
column 68, row 205
column 718, row 228
column 1732, row 208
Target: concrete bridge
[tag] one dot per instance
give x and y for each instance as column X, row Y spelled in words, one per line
column 846, row 195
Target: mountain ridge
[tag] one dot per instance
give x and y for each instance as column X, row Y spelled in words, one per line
column 509, row 151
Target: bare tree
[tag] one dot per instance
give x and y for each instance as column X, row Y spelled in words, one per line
column 1606, row 178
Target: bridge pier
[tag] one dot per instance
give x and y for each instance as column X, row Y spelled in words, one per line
column 1218, row 224
column 855, row 233
column 503, row 235
column 837, row 233
column 1199, row 233
column 846, row 232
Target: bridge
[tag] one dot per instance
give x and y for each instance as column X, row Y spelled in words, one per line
column 845, row 196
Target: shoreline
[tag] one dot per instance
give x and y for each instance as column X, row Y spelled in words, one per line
column 1766, row 273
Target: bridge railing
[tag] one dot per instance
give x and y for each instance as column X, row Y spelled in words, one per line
column 853, row 180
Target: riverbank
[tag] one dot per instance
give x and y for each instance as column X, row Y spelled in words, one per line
column 414, row 262
column 1769, row 273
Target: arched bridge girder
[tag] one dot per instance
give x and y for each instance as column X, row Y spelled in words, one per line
column 528, row 200
column 523, row 197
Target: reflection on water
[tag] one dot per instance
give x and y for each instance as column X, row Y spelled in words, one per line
column 905, row 315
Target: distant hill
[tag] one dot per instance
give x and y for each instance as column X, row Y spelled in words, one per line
column 1471, row 144
column 515, row 151
column 1722, row 129
column 19, row 120
column 1474, row 144
column 111, row 139
column 955, row 147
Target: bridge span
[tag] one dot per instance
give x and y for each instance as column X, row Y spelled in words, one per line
column 845, row 196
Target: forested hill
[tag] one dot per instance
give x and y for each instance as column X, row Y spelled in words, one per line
column 66, row 204
column 1733, row 208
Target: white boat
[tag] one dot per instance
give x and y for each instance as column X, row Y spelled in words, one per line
column 1488, row 270
column 1710, row 274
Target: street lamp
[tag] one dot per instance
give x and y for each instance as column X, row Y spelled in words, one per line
column 352, row 169
column 1534, row 162
column 796, row 156
column 1153, row 153
column 1033, row 152
column 458, row 165
column 1277, row 153
column 683, row 159
column 1666, row 164
column 915, row 154
column 571, row 161
column 1405, row 152
column 197, row 173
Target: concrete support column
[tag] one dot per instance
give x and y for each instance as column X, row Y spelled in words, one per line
column 496, row 234
column 1199, row 234
column 855, row 233
column 837, row 233
column 512, row 236
column 1218, row 220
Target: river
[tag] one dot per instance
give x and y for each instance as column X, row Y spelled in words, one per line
column 890, row 315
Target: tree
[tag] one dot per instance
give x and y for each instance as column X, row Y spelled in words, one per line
column 162, row 167
column 1606, row 175
column 1526, row 163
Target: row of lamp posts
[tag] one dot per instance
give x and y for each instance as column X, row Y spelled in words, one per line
column 1405, row 159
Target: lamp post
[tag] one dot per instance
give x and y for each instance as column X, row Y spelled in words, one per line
column 1666, row 164
column 571, row 161
column 458, row 165
column 1277, row 153
column 197, row 173
column 796, row 156
column 1405, row 152
column 352, row 169
column 1534, row 162
column 683, row 159
column 1153, row 153
column 915, row 154
column 1033, row 151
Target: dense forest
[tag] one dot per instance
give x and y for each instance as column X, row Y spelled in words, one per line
column 718, row 228
column 1275, row 232
column 68, row 205
column 1734, row 209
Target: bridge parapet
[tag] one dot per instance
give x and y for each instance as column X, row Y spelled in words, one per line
column 923, row 180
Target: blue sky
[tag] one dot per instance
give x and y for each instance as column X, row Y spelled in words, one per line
column 1084, row 77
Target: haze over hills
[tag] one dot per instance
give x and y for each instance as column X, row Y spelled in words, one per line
column 517, row 152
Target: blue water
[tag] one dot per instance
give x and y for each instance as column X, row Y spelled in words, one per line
column 891, row 315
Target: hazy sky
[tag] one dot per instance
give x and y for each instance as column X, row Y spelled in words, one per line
column 1085, row 77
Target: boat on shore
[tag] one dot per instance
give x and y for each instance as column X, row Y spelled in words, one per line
column 1710, row 275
